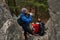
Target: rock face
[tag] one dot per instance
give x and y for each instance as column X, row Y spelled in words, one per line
column 4, row 13
column 9, row 28
column 54, row 8
column 54, row 5
column 11, row 31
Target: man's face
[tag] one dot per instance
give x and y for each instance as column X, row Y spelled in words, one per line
column 26, row 11
column 39, row 19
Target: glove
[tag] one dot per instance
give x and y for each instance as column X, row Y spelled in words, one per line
column 31, row 14
column 28, row 15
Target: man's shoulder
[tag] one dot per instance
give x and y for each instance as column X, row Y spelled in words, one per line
column 21, row 14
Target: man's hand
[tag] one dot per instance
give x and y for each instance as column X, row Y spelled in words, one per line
column 28, row 15
column 31, row 14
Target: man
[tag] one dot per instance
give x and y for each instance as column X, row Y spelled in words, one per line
column 24, row 20
column 38, row 27
column 42, row 27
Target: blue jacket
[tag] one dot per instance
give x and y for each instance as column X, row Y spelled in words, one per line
column 24, row 19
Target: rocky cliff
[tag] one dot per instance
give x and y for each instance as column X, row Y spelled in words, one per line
column 10, row 30
column 54, row 8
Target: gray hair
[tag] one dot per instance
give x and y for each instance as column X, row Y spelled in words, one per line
column 23, row 9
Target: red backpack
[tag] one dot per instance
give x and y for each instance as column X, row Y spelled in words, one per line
column 36, row 27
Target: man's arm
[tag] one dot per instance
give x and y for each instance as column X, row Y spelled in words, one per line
column 27, row 20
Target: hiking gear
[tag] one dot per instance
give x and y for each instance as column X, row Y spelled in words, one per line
column 36, row 27
column 42, row 29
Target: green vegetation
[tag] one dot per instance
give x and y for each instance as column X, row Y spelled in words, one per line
column 40, row 6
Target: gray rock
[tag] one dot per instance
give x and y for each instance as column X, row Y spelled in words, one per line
column 4, row 15
column 11, row 31
column 54, row 8
column 9, row 28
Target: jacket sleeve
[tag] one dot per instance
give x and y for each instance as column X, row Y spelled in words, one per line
column 27, row 20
